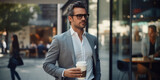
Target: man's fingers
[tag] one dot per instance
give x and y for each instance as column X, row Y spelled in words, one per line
column 76, row 75
column 75, row 69
column 76, row 72
column 73, row 72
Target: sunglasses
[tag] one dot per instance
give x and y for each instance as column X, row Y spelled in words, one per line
column 79, row 16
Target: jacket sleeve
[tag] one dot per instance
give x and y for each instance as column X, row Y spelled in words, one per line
column 49, row 64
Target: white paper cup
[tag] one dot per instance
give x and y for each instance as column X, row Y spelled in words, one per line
column 82, row 65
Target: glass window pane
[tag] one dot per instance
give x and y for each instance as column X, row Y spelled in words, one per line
column 104, row 31
column 92, row 17
column 145, row 38
column 120, row 39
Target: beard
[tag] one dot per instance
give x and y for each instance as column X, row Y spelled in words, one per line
column 81, row 25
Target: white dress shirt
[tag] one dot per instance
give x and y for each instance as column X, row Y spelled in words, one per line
column 83, row 52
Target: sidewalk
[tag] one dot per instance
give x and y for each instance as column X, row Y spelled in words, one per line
column 31, row 70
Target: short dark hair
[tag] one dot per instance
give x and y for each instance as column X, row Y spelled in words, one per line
column 153, row 27
column 78, row 4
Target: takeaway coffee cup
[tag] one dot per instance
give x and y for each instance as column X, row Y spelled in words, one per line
column 82, row 65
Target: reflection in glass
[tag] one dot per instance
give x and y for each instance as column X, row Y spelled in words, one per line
column 120, row 39
column 145, row 13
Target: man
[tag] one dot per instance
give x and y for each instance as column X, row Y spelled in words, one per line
column 150, row 44
column 41, row 49
column 4, row 46
column 73, row 46
column 1, row 46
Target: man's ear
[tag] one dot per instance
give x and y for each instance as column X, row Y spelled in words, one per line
column 69, row 18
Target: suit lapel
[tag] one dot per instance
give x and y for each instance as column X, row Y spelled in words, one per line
column 70, row 46
column 91, row 42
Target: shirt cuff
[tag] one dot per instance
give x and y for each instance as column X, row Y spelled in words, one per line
column 63, row 73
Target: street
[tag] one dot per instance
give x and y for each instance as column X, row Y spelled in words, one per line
column 32, row 68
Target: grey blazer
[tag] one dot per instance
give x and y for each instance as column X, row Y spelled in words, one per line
column 62, row 51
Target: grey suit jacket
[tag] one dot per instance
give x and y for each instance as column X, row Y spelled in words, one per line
column 62, row 51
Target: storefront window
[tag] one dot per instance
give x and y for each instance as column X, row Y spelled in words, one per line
column 103, row 36
column 145, row 38
column 92, row 17
column 102, row 19
column 120, row 39
column 135, row 36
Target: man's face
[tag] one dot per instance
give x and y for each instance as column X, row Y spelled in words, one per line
column 78, row 20
column 151, row 33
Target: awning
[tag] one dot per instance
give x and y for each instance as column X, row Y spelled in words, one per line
column 151, row 14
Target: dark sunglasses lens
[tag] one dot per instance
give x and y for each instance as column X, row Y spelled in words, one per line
column 79, row 16
column 86, row 15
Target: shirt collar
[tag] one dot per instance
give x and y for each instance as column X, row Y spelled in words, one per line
column 73, row 32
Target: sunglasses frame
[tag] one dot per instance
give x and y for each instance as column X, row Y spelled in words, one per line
column 79, row 16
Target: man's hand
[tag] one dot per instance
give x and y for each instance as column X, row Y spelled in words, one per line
column 73, row 72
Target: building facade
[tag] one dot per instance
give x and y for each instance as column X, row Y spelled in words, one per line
column 41, row 28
